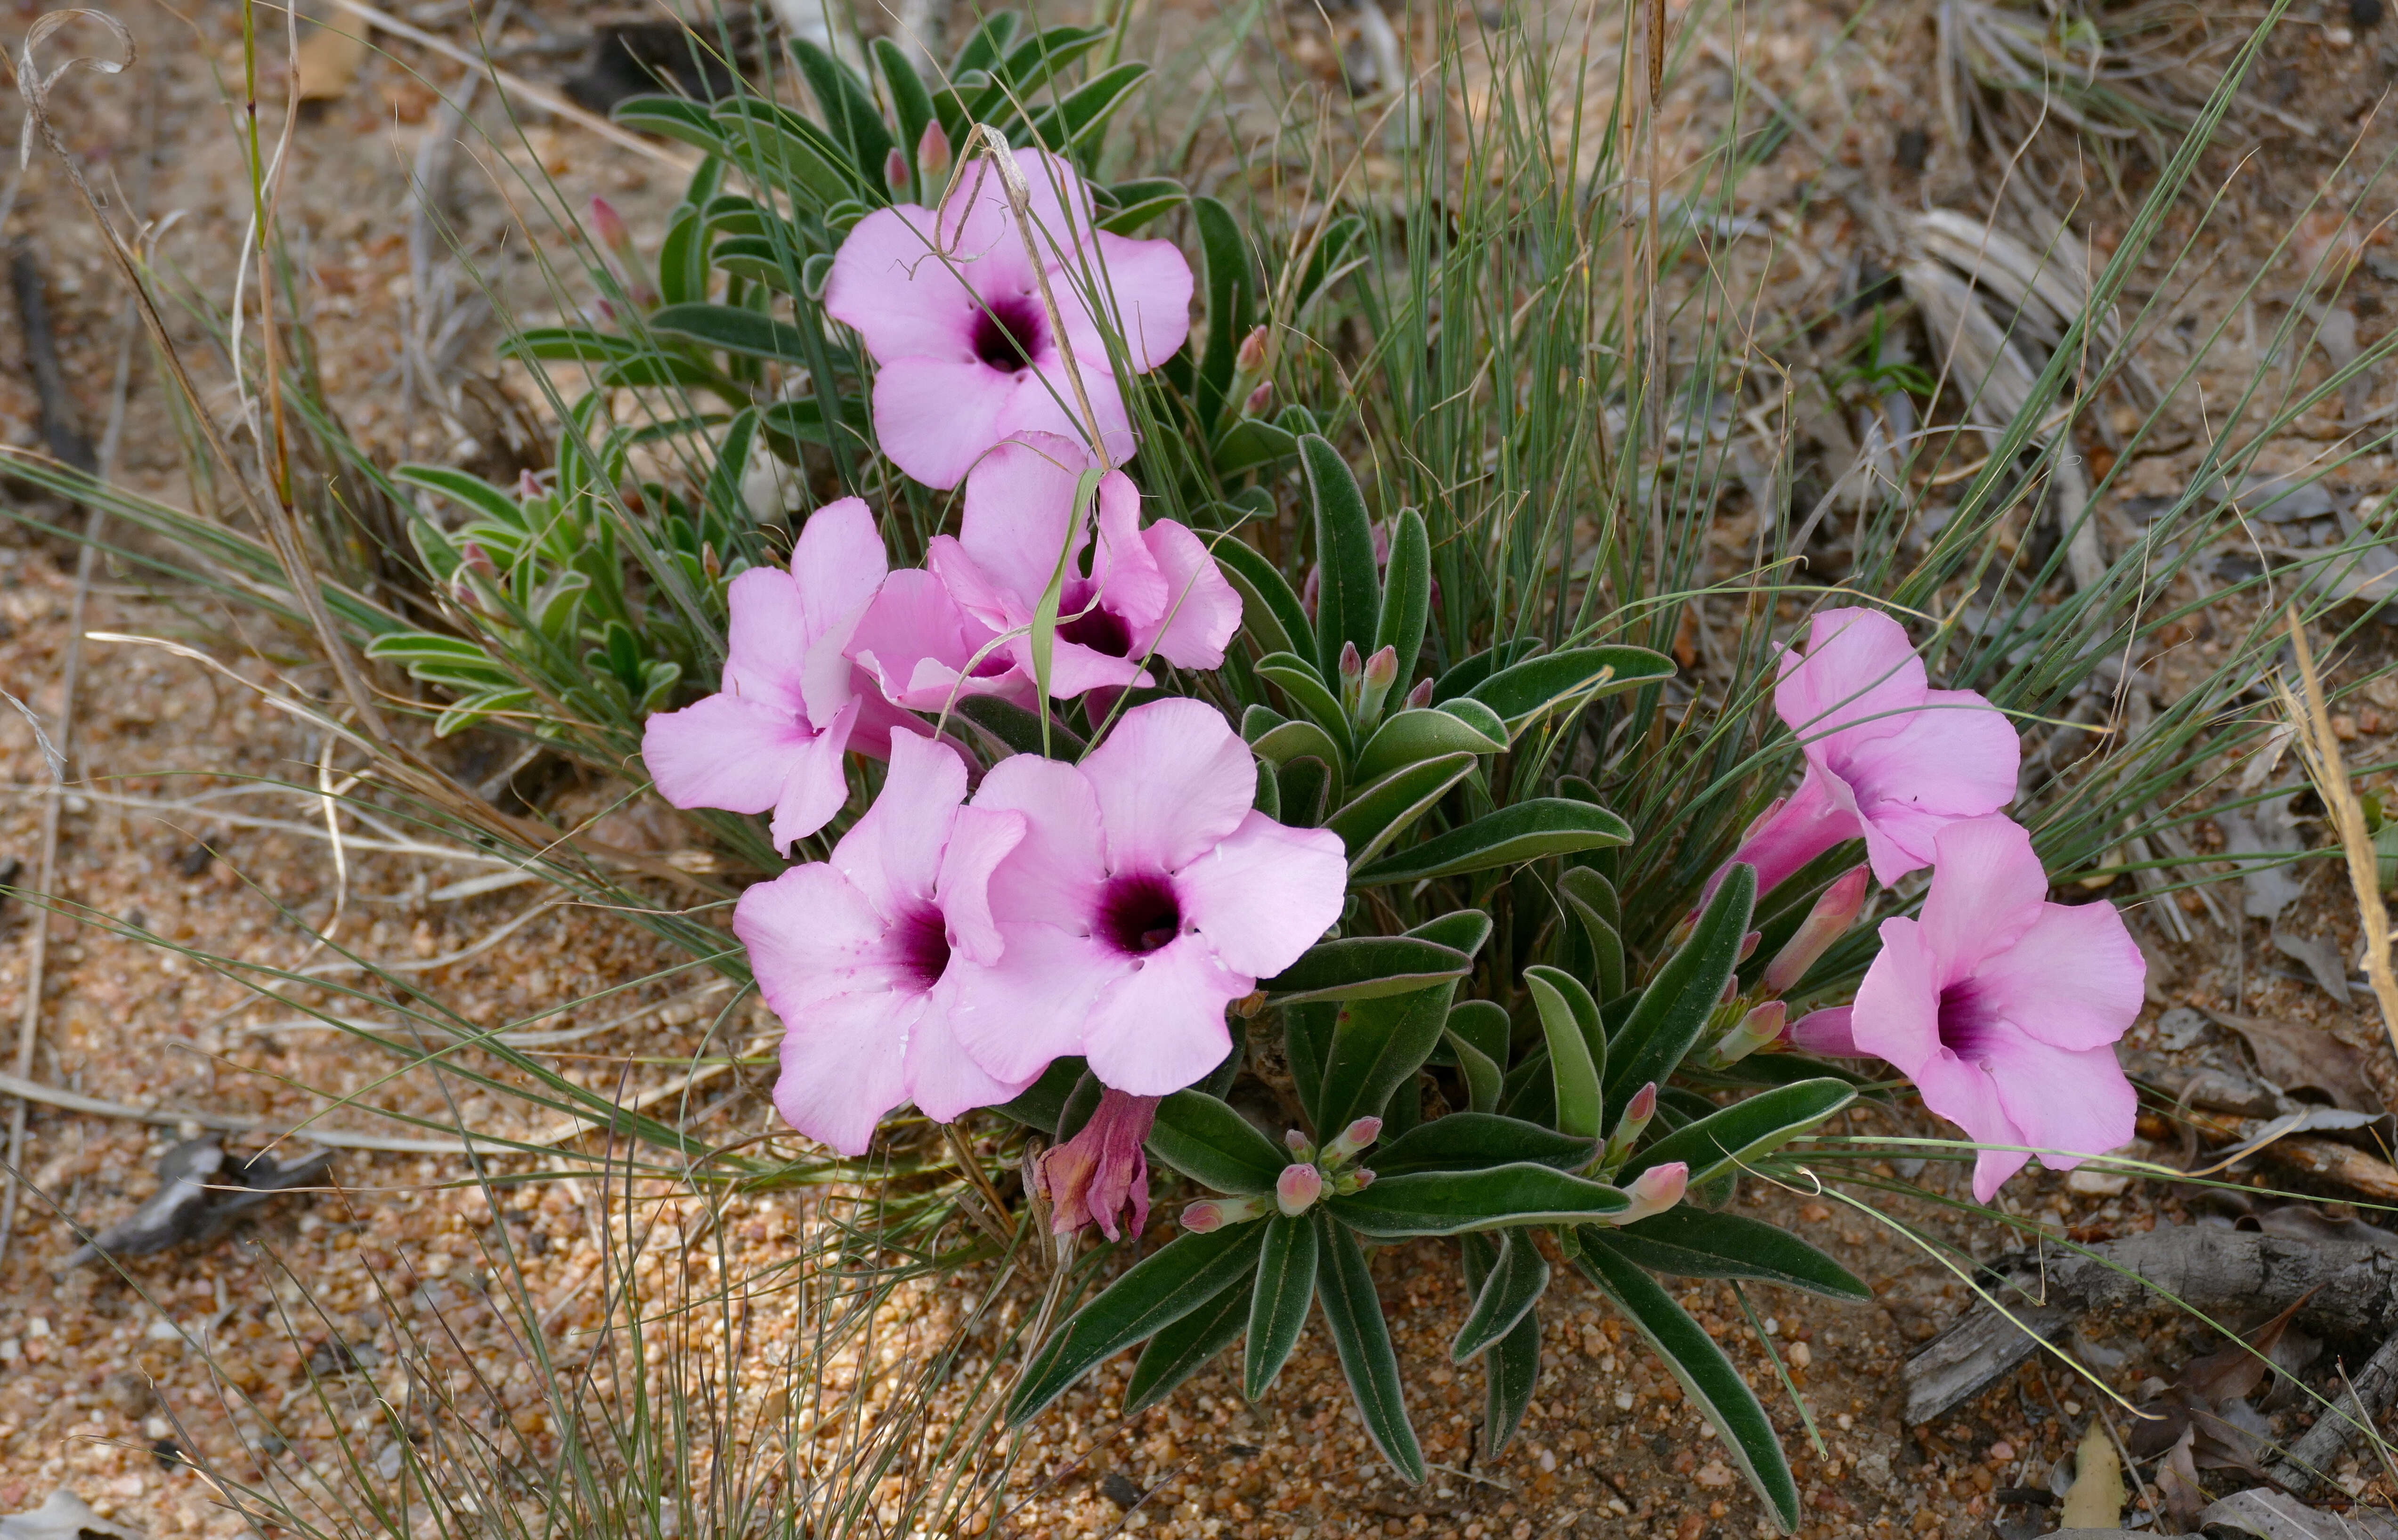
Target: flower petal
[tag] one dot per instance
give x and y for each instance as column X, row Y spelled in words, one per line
column 812, row 936
column 1986, row 890
column 921, row 649
column 1146, row 296
column 1033, row 1006
column 1859, row 669
column 892, row 853
column 1042, row 401
column 1019, row 513
column 1202, row 612
column 1818, row 816
column 1968, row 1095
column 724, row 751
column 1160, row 1026
column 943, row 1080
column 1897, row 1012
column 814, row 788
column 979, row 839
column 1129, row 581
column 845, row 1066
column 1055, row 874
column 767, row 639
column 936, row 417
column 1955, row 758
column 1172, row 779
column 1828, row 1031
column 1265, row 893
column 891, row 286
column 2075, row 979
column 2076, row 1103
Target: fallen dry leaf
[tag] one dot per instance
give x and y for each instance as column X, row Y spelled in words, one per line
column 329, row 60
column 2294, row 1057
column 2096, row 1499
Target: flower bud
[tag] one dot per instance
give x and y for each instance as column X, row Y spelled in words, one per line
column 1214, row 1214
column 1352, row 667
column 1629, row 1127
column 1757, row 1029
column 1259, row 400
column 1382, row 673
column 1420, row 697
column 474, row 563
column 1298, row 1188
column 1826, row 923
column 1748, row 944
column 896, row 175
column 528, row 486
column 1252, row 354
column 1356, row 1137
column 1296, row 1142
column 933, row 151
column 609, row 226
column 1352, row 1181
column 1654, row 1191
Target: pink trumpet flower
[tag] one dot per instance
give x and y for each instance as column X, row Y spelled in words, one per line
column 1100, row 1172
column 1887, row 757
column 950, row 307
column 2001, row 1007
column 1129, row 593
column 862, row 955
column 1147, row 897
column 790, row 706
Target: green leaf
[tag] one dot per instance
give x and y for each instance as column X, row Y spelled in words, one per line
column 1307, row 1042
column 1226, row 272
column 1186, row 1347
column 1250, row 442
column 1673, row 1010
column 1537, row 685
column 847, row 107
column 788, row 152
column 473, row 492
column 1407, row 595
column 760, row 259
column 1268, row 798
column 732, row 328
column 1468, row 673
column 1278, row 1306
column 1745, row 1129
column 1353, row 1313
column 1209, row 1142
column 1526, row 831
column 1131, row 204
column 1410, row 736
column 1511, row 1371
column 1365, row 968
column 1477, row 1034
column 1160, row 1289
column 671, row 117
column 1493, row 1198
column 1693, row 1359
column 1388, row 808
column 1691, row 1243
column 467, row 710
column 1306, row 690
column 1349, row 593
column 1478, row 1143
column 1304, row 789
column 439, row 659
column 1269, row 611
column 1066, row 124
column 1015, row 727
column 1590, row 897
column 911, row 105
column 1484, row 1079
column 1577, row 1047
column 1513, row 1285
column 1339, row 251
column 1377, row 1047
column 580, row 344
column 1280, row 744
column 683, row 256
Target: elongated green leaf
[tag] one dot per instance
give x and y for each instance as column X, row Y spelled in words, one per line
column 1187, row 1346
column 1353, row 1313
column 1271, row 614
column 1306, row 690
column 911, row 105
column 1339, row 251
column 1286, row 1287
column 1691, row 1243
column 671, row 117
column 579, row 344
column 1131, row 204
column 1484, row 1079
column 1380, row 813
column 1307, row 1042
column 1507, row 1295
column 1467, row 674
column 1577, row 1047
column 1349, row 592
column 1537, row 685
column 1066, row 124
column 847, row 107
column 1511, row 1372
column 1590, row 897
column 1454, row 1202
column 1693, row 1359
column 1745, row 1129
column 1674, row 1009
column 786, row 151
column 1160, row 1289
column 1485, row 1024
column 1228, row 275
column 1365, row 968
column 1304, row 789
column 1478, row 1143
column 1250, row 442
column 1377, row 1047
column 732, row 328
column 472, row 491
column 1015, row 727
column 1407, row 595
column 1525, row 831
column 1417, row 734
column 1040, row 1105
column 1280, row 744
column 1209, row 1142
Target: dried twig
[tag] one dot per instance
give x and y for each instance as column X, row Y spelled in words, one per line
column 2367, row 1396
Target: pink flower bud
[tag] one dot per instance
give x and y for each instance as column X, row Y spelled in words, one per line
column 1352, row 667
column 527, row 486
column 1748, row 944
column 1383, row 669
column 933, row 151
column 1214, row 1214
column 1296, row 1142
column 609, row 226
column 895, row 171
column 1824, row 924
column 1298, row 1188
column 1363, row 1179
column 1760, row 1027
column 1252, row 354
column 1259, row 400
column 1356, row 1137
column 1420, row 697
column 1654, row 1191
column 1631, row 1125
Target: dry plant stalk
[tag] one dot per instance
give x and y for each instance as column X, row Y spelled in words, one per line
column 2319, row 748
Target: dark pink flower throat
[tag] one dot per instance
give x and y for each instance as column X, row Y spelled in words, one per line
column 1008, row 332
column 1966, row 1020
column 922, row 941
column 1138, row 914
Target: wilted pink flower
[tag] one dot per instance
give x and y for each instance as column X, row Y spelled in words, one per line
column 1147, row 896
column 862, row 956
column 1129, row 593
column 2002, row 1008
column 1887, row 757
column 951, row 308
column 790, row 705
column 1101, row 1171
